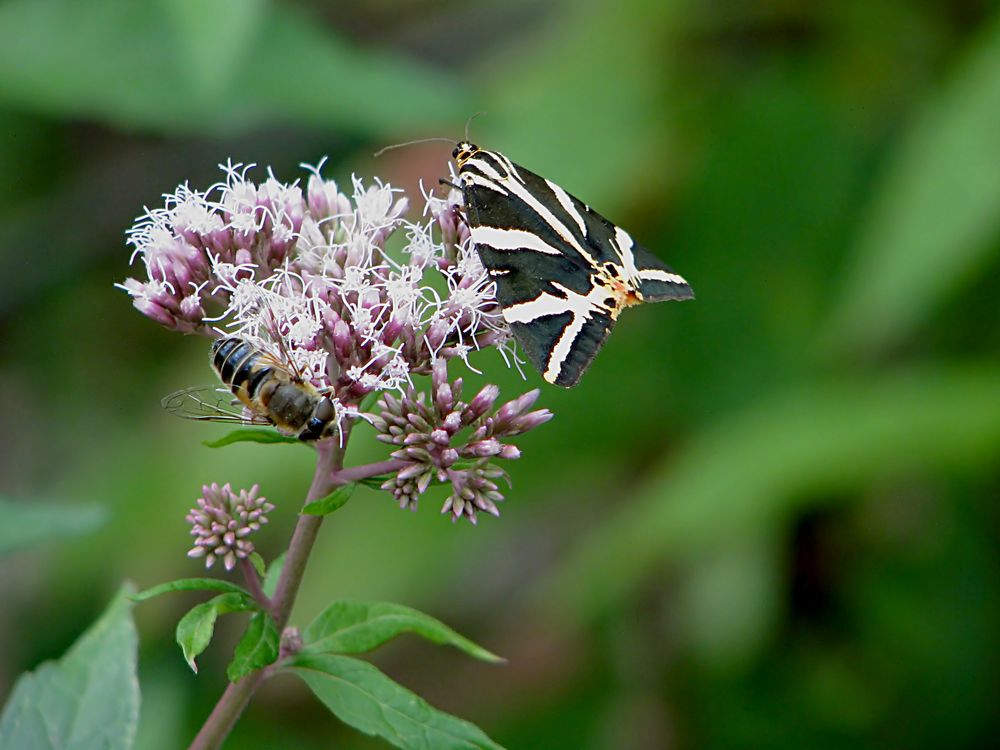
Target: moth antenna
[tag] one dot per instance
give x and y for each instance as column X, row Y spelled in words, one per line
column 469, row 122
column 411, row 143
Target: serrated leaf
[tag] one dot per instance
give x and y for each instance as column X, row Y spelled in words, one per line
column 350, row 627
column 88, row 700
column 24, row 523
column 195, row 629
column 936, row 214
column 251, row 435
column 334, row 501
column 257, row 648
column 270, row 583
column 190, row 584
column 362, row 696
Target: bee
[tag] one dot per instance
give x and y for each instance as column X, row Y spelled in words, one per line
column 273, row 392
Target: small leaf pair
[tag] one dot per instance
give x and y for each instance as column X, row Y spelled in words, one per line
column 259, row 645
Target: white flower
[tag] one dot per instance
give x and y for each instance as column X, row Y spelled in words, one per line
column 194, row 213
column 229, row 275
column 376, row 206
column 356, row 279
column 303, row 274
column 421, row 247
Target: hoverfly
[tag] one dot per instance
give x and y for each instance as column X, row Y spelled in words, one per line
column 268, row 390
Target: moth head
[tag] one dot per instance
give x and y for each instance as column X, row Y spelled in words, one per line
column 463, row 152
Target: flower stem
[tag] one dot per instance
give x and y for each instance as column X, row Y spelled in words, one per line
column 329, row 461
column 366, row 471
column 253, row 585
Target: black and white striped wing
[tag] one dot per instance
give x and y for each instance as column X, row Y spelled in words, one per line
column 563, row 271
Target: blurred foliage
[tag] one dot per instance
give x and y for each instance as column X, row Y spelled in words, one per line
column 766, row 518
column 65, row 704
column 34, row 522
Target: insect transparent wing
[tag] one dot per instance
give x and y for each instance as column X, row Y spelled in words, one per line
column 210, row 403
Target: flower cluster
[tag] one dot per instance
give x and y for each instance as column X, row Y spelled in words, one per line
column 304, row 274
column 223, row 522
column 350, row 294
column 447, row 439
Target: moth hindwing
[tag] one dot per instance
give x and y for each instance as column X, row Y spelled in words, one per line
column 563, row 272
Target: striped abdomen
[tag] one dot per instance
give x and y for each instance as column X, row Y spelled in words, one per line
column 242, row 367
column 268, row 389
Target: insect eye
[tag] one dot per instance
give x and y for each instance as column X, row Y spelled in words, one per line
column 456, row 152
column 324, row 410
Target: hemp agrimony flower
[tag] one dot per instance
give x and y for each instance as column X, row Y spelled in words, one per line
column 330, row 305
column 305, row 276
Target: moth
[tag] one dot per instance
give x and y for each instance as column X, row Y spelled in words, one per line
column 563, row 272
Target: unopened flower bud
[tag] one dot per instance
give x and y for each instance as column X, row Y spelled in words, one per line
column 223, row 521
column 510, row 452
column 485, row 448
column 482, row 402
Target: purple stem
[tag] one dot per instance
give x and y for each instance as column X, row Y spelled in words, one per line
column 329, row 461
column 356, row 473
column 254, row 587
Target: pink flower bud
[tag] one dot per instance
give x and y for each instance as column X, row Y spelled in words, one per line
column 518, row 405
column 485, row 448
column 510, row 452
column 482, row 402
column 453, row 422
column 443, row 397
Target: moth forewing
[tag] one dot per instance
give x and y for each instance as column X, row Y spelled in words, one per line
column 563, row 272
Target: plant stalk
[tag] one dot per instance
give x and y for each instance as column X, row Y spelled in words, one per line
column 366, row 471
column 329, row 461
column 254, row 586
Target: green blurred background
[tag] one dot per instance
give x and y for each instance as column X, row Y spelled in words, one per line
column 767, row 518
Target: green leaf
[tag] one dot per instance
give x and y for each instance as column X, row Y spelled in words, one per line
column 88, row 699
column 755, row 471
column 936, row 215
column 335, row 500
column 258, row 563
column 362, row 696
column 251, row 435
column 350, row 627
column 190, row 584
column 23, row 524
column 375, row 482
column 257, row 648
column 195, row 629
column 270, row 584
column 225, row 66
